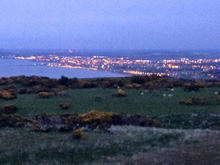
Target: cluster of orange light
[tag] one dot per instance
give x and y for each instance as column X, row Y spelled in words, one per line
column 70, row 67
column 143, row 73
column 173, row 66
column 93, row 63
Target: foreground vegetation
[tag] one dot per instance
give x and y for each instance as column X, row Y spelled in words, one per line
column 48, row 110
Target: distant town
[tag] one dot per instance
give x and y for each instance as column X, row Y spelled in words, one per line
column 197, row 68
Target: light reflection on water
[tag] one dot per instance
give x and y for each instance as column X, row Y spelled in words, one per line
column 11, row 67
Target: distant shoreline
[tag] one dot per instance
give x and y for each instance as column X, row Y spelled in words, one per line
column 12, row 67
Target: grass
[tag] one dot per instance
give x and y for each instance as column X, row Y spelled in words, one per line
column 151, row 103
column 24, row 146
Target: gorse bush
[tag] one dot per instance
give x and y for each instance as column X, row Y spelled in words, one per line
column 78, row 134
column 94, row 115
column 44, row 95
column 121, row 93
column 8, row 94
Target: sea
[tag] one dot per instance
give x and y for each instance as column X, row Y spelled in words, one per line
column 12, row 67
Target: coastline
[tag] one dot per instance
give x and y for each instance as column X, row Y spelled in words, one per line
column 13, row 67
column 71, row 67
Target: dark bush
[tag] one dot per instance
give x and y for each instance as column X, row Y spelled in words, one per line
column 9, row 109
column 74, row 81
column 23, row 91
column 120, row 82
column 138, row 79
column 88, row 84
column 64, row 81
column 64, row 105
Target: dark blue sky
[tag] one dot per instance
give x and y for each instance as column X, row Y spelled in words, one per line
column 110, row 24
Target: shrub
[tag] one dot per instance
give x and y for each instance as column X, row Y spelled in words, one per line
column 37, row 89
column 9, row 109
column 64, row 81
column 78, row 134
column 94, row 115
column 106, row 84
column 87, row 84
column 138, row 79
column 49, row 83
column 7, row 120
column 129, row 86
column 23, row 91
column 150, row 85
column 4, row 94
column 44, row 95
column 134, row 85
column 120, row 82
column 199, row 84
column 191, row 87
column 74, row 81
column 2, row 82
column 121, row 93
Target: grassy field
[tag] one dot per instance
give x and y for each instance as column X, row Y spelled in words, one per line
column 151, row 103
column 122, row 144
column 22, row 146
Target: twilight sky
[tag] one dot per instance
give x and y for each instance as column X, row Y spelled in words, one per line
column 110, row 24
